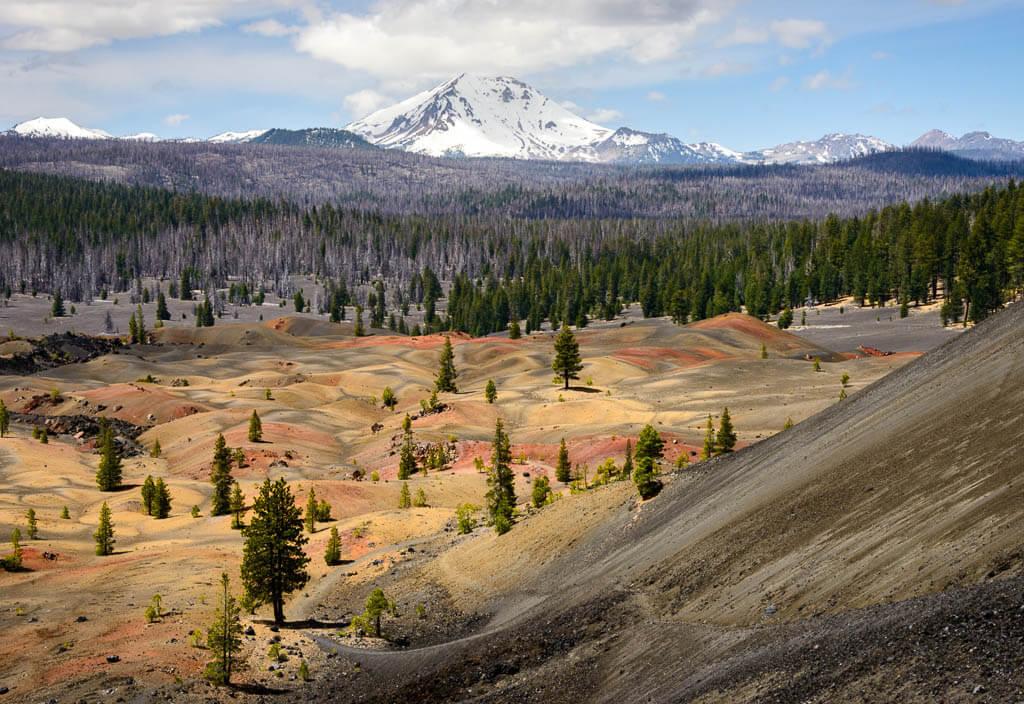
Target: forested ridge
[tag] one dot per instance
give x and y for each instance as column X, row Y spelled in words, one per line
column 82, row 237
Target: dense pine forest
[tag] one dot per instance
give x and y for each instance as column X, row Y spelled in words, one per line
column 83, row 237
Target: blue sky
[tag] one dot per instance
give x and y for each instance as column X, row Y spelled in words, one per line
column 744, row 74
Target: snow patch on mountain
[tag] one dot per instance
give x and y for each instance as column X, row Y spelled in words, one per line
column 60, row 127
column 483, row 116
column 236, row 137
column 827, row 150
column 973, row 145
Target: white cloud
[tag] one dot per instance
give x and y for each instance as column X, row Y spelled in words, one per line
column 798, row 34
column 879, row 55
column 269, row 28
column 601, row 115
column 435, row 39
column 175, row 120
column 656, row 97
column 779, row 83
column 68, row 25
column 363, row 102
column 824, row 79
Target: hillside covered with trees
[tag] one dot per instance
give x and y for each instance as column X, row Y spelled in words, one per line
column 83, row 237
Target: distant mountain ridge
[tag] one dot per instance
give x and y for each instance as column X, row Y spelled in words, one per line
column 478, row 116
column 503, row 116
column 973, row 145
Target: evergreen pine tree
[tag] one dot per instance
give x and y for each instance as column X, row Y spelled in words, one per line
column 709, row 440
column 376, row 606
column 13, row 561
column 57, row 309
column 646, row 485
column 404, row 499
column 332, row 554
column 764, row 351
column 224, row 636
column 446, row 369
column 421, row 498
column 156, row 448
column 649, row 444
column 501, row 495
column 140, row 327
column 64, row 513
column 311, row 511
column 33, row 525
column 726, row 439
column 563, row 470
column 108, row 475
column 207, row 313
column 273, row 561
column 237, row 506
column 148, row 491
column 5, row 419
column 255, row 427
column 627, row 466
column 407, row 459
column 514, row 333
column 490, row 391
column 541, row 489
column 358, row 330
column 785, row 318
column 567, row 356
column 220, row 477
column 161, row 307
column 104, row 535
column 388, row 398
column 161, row 499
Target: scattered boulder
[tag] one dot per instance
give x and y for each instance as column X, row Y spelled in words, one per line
column 113, row 658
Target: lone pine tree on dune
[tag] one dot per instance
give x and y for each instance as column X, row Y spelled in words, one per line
column 224, row 636
column 104, row 535
column 709, row 440
column 220, row 477
column 726, row 439
column 108, row 475
column 501, row 495
column 273, row 561
column 567, row 356
column 255, row 427
column 446, row 370
column 563, row 470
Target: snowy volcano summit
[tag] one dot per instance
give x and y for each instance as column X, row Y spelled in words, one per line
column 483, row 116
column 500, row 116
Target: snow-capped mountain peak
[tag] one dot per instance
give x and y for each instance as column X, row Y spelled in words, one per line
column 482, row 116
column 833, row 147
column 60, row 127
column 236, row 137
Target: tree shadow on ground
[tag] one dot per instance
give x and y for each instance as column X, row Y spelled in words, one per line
column 306, row 623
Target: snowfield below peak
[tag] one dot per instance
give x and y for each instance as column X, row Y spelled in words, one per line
column 481, row 116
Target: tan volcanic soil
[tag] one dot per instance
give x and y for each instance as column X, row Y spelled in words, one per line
column 317, row 430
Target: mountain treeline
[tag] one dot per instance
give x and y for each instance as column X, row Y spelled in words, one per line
column 398, row 183
column 82, row 237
